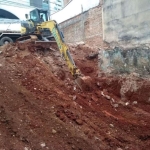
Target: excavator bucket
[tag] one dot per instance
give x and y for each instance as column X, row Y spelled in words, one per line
column 34, row 42
column 24, row 41
column 84, row 83
column 27, row 38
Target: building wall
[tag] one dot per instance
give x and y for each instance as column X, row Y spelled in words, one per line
column 15, row 9
column 86, row 27
column 55, row 5
column 126, row 22
column 24, row 3
column 66, row 2
column 59, row 4
column 18, row 8
column 45, row 6
column 36, row 3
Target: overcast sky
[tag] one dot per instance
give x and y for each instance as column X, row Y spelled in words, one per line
column 74, row 8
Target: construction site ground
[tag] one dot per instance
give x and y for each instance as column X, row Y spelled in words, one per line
column 42, row 108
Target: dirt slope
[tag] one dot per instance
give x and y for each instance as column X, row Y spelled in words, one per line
column 42, row 108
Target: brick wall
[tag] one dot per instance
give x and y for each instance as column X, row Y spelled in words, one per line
column 85, row 27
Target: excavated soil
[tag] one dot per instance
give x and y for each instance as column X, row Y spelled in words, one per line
column 41, row 107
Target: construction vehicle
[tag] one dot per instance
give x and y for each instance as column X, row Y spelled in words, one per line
column 9, row 30
column 40, row 30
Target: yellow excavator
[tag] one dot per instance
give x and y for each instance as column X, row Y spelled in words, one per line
column 43, row 31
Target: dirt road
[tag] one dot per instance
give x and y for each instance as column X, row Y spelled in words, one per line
column 42, row 108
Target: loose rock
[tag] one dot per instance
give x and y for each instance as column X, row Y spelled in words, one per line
column 134, row 103
column 111, row 125
column 79, row 121
column 43, row 145
column 54, row 131
column 74, row 97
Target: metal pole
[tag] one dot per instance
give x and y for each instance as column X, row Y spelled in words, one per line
column 49, row 13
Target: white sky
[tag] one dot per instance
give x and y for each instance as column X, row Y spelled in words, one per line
column 74, row 8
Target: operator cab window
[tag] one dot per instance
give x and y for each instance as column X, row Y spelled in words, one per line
column 33, row 15
column 42, row 17
column 38, row 16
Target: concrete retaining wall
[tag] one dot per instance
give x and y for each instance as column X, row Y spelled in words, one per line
column 125, row 61
column 126, row 22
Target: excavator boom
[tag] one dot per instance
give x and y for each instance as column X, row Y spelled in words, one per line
column 63, row 48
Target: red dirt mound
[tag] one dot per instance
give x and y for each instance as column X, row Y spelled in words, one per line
column 42, row 108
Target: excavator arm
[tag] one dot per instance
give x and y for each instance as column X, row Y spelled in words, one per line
column 63, row 48
column 84, row 82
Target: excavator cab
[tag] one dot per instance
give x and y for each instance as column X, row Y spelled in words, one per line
column 38, row 16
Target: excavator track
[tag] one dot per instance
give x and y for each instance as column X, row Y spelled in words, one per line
column 84, row 83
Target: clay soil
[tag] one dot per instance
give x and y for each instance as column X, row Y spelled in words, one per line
column 41, row 107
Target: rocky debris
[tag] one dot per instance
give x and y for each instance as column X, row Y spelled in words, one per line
column 43, row 144
column 79, row 121
column 134, row 103
column 74, row 97
column 80, row 43
column 127, row 103
column 111, row 125
column 92, row 56
column 148, row 100
column 115, row 105
column 103, row 93
column 94, row 98
column 54, row 131
column 26, row 148
column 119, row 149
